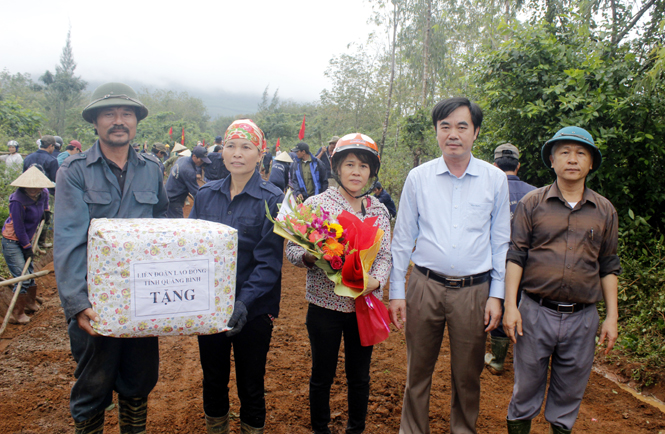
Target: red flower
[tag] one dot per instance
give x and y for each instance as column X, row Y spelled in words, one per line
column 336, row 263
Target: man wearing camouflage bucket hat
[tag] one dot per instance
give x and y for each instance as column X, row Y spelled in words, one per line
column 109, row 180
column 564, row 256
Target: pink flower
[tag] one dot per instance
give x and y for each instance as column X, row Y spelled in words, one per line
column 315, row 237
column 336, row 263
column 300, row 228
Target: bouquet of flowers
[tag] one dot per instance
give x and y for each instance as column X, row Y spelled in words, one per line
column 344, row 245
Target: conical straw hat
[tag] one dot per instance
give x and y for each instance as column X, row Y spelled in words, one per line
column 178, row 147
column 33, row 178
column 285, row 157
column 186, row 153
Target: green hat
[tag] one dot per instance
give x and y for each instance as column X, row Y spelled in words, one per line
column 113, row 95
column 572, row 134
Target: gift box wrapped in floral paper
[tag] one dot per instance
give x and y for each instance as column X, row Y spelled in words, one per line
column 161, row 277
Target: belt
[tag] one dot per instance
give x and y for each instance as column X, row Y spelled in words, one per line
column 455, row 282
column 558, row 306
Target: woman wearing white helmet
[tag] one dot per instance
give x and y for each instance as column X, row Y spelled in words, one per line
column 13, row 159
column 355, row 160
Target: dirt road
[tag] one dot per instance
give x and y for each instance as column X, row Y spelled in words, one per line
column 36, row 373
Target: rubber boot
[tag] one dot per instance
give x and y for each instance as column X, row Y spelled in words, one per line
column 519, row 426
column 32, row 305
column 217, row 425
column 494, row 361
column 132, row 415
column 94, row 425
column 246, row 429
column 18, row 314
column 558, row 430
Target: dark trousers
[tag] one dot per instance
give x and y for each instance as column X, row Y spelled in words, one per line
column 130, row 366
column 175, row 209
column 250, row 351
column 325, row 328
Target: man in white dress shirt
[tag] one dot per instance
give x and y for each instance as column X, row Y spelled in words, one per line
column 458, row 209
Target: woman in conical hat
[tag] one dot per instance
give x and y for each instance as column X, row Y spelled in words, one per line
column 27, row 207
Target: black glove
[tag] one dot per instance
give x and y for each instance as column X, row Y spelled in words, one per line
column 238, row 319
column 47, row 218
column 27, row 253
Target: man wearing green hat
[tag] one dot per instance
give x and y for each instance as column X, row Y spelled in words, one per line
column 564, row 256
column 109, row 180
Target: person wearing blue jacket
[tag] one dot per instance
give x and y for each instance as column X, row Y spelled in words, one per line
column 506, row 158
column 308, row 176
column 384, row 198
column 240, row 201
column 109, row 180
column 279, row 175
column 183, row 181
column 43, row 158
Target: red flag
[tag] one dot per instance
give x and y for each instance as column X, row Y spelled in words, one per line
column 301, row 134
column 171, row 132
column 204, row 143
column 277, row 146
column 183, row 136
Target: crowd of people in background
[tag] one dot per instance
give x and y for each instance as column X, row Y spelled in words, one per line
column 560, row 259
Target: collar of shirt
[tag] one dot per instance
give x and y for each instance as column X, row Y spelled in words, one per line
column 513, row 177
column 252, row 187
column 462, row 224
column 471, row 169
column 587, row 196
column 95, row 153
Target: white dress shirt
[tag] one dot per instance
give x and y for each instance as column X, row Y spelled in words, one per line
column 462, row 225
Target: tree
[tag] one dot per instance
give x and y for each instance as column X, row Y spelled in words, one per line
column 63, row 90
column 179, row 105
column 546, row 78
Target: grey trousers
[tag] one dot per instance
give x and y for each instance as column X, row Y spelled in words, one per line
column 569, row 341
column 429, row 307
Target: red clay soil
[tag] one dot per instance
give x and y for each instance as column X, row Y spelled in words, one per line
column 36, row 374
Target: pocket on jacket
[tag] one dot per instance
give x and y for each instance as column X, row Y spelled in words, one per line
column 249, row 235
column 146, row 197
column 96, row 197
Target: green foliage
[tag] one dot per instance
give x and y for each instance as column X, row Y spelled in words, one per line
column 642, row 293
column 17, row 121
column 542, row 80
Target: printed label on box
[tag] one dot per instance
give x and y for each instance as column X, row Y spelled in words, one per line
column 173, row 288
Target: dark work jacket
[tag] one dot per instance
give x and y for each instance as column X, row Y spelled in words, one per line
column 260, row 250
column 326, row 161
column 279, row 175
column 87, row 189
column 182, row 180
column 384, row 198
column 45, row 161
column 518, row 189
column 161, row 165
column 319, row 175
column 216, row 169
